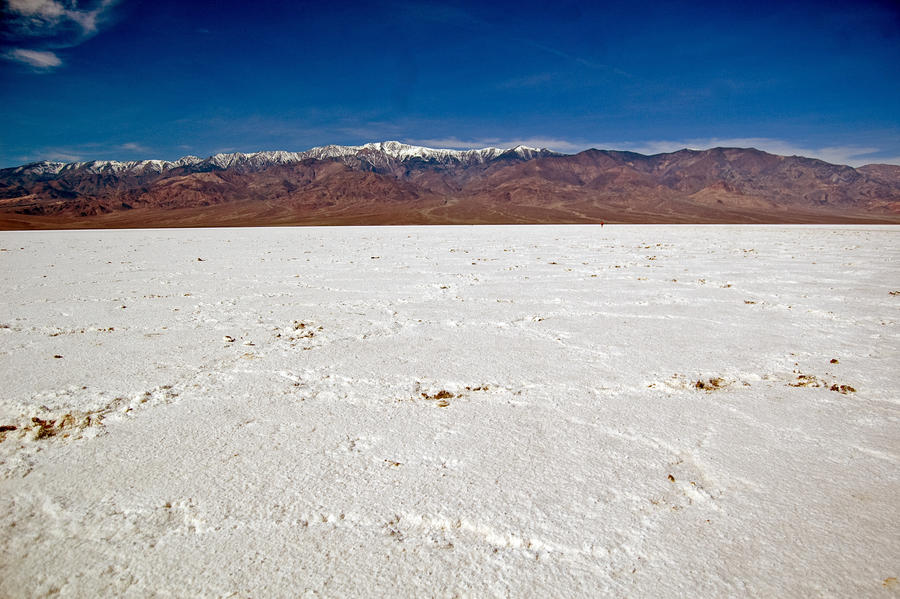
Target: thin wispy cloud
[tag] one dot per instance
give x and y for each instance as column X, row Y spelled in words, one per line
column 576, row 59
column 41, row 17
column 35, row 58
column 135, row 147
column 35, row 29
column 439, row 13
column 55, row 156
column 529, row 81
column 90, row 151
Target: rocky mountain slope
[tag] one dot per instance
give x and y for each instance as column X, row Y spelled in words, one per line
column 394, row 183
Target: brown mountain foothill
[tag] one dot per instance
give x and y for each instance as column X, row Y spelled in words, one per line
column 392, row 183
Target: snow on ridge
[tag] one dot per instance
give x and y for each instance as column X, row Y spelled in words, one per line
column 99, row 167
column 391, row 149
column 375, row 152
column 44, row 167
column 405, row 151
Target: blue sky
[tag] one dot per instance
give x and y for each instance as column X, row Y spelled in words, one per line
column 133, row 79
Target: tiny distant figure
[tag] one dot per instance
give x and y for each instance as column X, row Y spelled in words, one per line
column 601, row 224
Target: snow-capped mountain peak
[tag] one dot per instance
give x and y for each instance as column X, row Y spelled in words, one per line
column 44, row 167
column 376, row 153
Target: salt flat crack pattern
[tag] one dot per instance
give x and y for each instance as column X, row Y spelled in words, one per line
column 450, row 411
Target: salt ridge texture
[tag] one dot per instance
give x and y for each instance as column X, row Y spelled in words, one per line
column 450, row 411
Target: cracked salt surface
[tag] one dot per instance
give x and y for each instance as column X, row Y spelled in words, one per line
column 547, row 410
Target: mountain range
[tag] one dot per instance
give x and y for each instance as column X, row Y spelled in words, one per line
column 395, row 183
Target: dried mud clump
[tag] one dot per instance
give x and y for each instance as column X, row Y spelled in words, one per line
column 305, row 330
column 71, row 424
column 6, row 428
column 64, row 426
column 711, row 384
column 442, row 394
column 298, row 331
column 807, row 380
column 59, row 332
column 843, row 389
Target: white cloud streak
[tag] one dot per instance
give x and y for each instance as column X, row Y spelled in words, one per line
column 48, row 14
column 56, row 156
column 36, row 58
column 45, row 9
column 49, row 25
column 133, row 146
column 91, row 151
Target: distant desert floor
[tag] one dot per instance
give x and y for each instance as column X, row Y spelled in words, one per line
column 451, row 411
